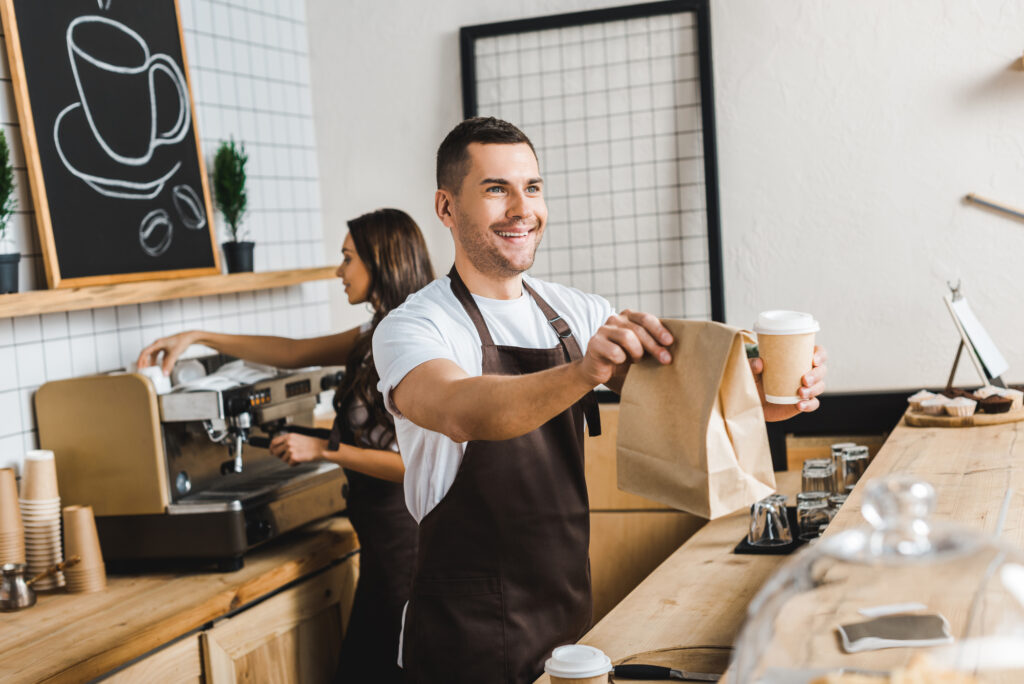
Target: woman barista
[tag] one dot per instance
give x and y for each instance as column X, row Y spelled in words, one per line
column 384, row 260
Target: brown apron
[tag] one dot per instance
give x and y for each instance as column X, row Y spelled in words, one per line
column 502, row 573
column 387, row 552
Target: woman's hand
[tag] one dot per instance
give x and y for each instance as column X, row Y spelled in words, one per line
column 293, row 448
column 813, row 384
column 171, row 347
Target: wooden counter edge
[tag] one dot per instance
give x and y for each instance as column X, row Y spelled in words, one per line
column 266, row 571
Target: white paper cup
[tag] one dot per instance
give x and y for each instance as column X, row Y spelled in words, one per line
column 155, row 374
column 578, row 664
column 785, row 343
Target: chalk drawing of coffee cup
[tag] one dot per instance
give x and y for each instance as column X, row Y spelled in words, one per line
column 116, row 76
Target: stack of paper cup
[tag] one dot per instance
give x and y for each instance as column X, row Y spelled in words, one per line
column 40, row 513
column 12, row 532
column 81, row 539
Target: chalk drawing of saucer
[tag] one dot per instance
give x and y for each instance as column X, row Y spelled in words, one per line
column 83, row 156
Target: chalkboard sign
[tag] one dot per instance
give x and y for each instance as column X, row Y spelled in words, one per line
column 105, row 103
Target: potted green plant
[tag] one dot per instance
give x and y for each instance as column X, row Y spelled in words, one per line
column 229, row 193
column 9, row 254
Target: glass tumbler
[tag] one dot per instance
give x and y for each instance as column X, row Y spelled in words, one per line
column 837, row 450
column 769, row 523
column 811, row 517
column 855, row 462
column 818, row 478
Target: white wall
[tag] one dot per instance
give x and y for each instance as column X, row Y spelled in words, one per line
column 848, row 132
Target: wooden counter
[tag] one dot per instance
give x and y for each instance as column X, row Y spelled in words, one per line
column 696, row 600
column 78, row 637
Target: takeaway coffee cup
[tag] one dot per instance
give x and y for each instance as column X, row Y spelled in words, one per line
column 785, row 342
column 578, row 664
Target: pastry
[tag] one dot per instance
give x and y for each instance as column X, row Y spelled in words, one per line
column 1017, row 396
column 935, row 406
column 955, row 392
column 915, row 399
column 995, row 404
column 986, row 391
column 961, row 407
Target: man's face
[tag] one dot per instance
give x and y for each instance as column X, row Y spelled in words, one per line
column 498, row 214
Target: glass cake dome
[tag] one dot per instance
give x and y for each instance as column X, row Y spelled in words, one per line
column 901, row 599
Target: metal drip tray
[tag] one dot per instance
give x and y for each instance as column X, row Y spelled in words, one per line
column 241, row 491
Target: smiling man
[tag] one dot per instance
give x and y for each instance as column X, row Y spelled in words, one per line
column 486, row 375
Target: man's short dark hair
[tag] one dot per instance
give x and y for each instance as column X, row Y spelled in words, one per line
column 453, row 154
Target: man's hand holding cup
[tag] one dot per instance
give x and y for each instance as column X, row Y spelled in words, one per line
column 790, row 370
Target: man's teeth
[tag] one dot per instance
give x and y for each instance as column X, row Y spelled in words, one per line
column 504, row 234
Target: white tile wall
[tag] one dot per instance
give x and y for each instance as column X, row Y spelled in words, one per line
column 249, row 67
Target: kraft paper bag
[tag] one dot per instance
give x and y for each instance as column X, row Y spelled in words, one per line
column 692, row 434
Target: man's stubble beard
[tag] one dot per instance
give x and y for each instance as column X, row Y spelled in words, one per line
column 484, row 256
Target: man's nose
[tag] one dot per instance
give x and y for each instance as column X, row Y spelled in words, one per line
column 519, row 207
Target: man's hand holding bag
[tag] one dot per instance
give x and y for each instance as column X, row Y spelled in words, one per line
column 692, row 433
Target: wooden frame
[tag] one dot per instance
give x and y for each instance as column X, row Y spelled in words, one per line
column 55, row 278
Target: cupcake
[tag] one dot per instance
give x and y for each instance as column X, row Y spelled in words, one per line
column 986, row 392
column 935, row 406
column 1017, row 398
column 915, row 399
column 995, row 404
column 961, row 407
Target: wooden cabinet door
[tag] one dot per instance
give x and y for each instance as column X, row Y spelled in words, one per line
column 625, row 547
column 179, row 663
column 291, row 637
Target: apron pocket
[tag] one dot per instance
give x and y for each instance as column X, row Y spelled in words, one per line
column 459, row 631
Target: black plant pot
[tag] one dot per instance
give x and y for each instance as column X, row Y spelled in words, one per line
column 9, row 272
column 238, row 256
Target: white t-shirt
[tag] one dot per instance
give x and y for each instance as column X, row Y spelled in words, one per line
column 432, row 324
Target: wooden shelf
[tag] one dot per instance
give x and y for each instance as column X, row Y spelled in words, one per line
column 73, row 299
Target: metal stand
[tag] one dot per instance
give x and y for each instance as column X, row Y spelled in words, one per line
column 956, row 362
column 965, row 342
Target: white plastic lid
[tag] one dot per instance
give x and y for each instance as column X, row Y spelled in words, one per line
column 785, row 323
column 39, row 455
column 576, row 661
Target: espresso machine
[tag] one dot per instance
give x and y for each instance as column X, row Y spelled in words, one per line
column 186, row 475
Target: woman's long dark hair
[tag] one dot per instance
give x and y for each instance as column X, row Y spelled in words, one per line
column 392, row 248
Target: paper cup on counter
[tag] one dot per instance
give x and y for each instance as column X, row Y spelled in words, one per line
column 785, row 343
column 12, row 531
column 80, row 537
column 39, row 477
column 82, row 540
column 578, row 664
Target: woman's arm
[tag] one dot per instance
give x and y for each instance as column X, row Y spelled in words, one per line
column 293, row 448
column 282, row 352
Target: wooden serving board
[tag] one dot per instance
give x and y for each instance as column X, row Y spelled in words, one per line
column 924, row 420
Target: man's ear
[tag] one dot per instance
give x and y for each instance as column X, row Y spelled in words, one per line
column 444, row 207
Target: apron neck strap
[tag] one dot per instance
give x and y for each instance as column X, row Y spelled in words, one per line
column 469, row 304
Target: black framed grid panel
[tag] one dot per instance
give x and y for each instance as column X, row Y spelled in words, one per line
column 619, row 105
